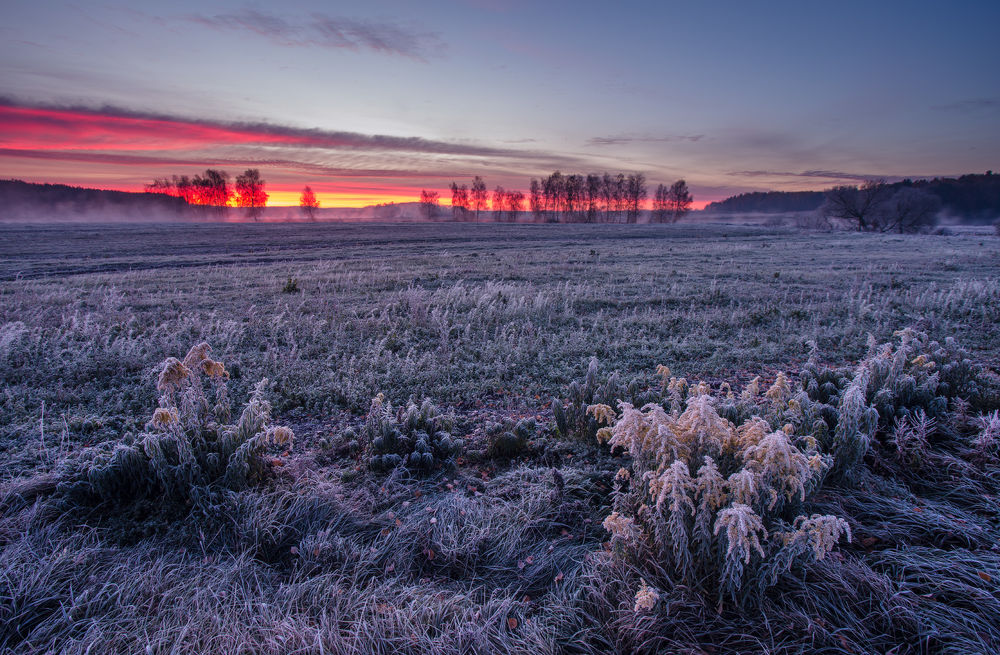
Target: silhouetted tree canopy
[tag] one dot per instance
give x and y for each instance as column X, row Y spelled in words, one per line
column 308, row 203
column 250, row 192
column 478, row 195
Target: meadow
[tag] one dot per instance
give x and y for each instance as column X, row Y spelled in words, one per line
column 462, row 477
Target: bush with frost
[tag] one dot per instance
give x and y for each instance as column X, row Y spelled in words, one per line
column 712, row 503
column 507, row 438
column 987, row 438
column 897, row 394
column 190, row 446
column 417, row 437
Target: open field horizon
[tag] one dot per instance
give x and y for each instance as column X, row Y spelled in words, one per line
column 443, row 490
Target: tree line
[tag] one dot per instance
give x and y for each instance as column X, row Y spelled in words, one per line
column 973, row 197
column 216, row 189
column 768, row 202
column 559, row 198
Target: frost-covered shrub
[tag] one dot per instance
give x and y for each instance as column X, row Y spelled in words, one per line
column 901, row 389
column 707, row 500
column 571, row 417
column 509, row 439
column 190, row 444
column 417, row 436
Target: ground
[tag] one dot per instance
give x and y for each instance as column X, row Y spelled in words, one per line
column 483, row 552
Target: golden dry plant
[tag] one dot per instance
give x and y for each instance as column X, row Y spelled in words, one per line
column 705, row 497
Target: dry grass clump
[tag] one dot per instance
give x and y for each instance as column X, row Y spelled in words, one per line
column 702, row 496
column 710, row 504
column 189, row 447
column 987, row 439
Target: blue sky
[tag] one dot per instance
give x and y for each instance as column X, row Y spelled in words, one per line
column 732, row 96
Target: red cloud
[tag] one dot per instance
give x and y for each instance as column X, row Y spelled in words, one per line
column 25, row 127
column 58, row 129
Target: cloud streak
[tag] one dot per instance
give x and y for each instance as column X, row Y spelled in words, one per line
column 121, row 159
column 324, row 31
column 123, row 148
column 971, row 105
column 621, row 139
column 47, row 127
column 826, row 175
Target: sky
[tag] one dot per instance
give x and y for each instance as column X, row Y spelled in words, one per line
column 372, row 102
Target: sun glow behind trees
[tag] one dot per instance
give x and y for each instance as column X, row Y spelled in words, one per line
column 121, row 149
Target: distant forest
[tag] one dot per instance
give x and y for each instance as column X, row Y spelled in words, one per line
column 19, row 199
column 969, row 197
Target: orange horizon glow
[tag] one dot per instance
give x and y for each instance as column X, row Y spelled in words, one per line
column 288, row 196
column 335, row 200
column 342, row 200
column 101, row 149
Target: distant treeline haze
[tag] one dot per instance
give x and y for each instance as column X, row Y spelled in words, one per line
column 572, row 198
column 971, row 197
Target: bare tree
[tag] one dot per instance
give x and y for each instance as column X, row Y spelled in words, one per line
column 593, row 190
column 459, row 202
column 513, row 205
column 860, row 207
column 185, row 188
column 429, row 204
column 213, row 189
column 498, row 200
column 661, row 204
column 909, row 210
column 678, row 200
column 478, row 195
column 635, row 193
column 250, row 193
column 608, row 195
column 556, row 194
column 620, row 196
column 308, row 203
column 575, row 198
column 535, row 201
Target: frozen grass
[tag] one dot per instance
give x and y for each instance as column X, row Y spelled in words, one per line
column 323, row 554
column 461, row 314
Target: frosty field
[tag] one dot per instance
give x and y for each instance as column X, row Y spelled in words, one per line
column 478, row 521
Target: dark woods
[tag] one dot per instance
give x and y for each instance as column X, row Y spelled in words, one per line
column 973, row 198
